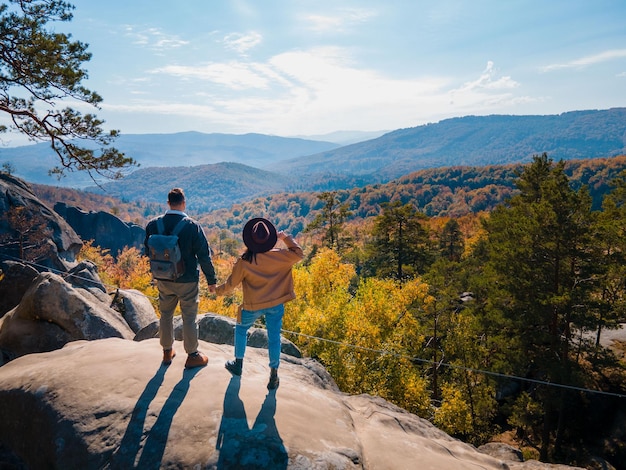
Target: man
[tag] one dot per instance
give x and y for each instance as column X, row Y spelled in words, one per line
column 195, row 250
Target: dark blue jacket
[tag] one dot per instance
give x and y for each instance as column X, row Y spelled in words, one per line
column 194, row 246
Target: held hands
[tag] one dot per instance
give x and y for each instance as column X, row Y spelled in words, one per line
column 212, row 288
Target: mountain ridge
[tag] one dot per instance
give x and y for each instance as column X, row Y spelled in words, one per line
column 191, row 148
column 473, row 140
column 468, row 141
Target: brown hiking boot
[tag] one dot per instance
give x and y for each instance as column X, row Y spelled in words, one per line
column 196, row 360
column 168, row 355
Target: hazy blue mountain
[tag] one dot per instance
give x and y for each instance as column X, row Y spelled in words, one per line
column 345, row 137
column 32, row 162
column 207, row 187
column 471, row 140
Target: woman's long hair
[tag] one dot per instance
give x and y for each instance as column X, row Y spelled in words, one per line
column 249, row 256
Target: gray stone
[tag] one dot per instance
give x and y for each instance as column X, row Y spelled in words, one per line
column 502, row 451
column 85, row 275
column 53, row 313
column 15, row 279
column 106, row 230
column 135, row 307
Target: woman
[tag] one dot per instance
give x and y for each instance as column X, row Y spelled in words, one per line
column 264, row 273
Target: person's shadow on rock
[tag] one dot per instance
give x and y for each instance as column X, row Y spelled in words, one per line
column 125, row 455
column 240, row 447
column 156, row 440
column 152, row 453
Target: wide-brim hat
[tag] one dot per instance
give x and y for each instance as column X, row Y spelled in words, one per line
column 259, row 235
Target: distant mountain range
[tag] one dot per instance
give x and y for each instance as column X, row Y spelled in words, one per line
column 32, row 162
column 471, row 140
column 222, row 169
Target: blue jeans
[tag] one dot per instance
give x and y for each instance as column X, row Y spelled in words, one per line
column 274, row 323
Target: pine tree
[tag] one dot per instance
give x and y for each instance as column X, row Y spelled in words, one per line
column 400, row 246
column 40, row 67
column 542, row 257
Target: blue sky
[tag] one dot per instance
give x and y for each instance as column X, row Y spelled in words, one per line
column 305, row 67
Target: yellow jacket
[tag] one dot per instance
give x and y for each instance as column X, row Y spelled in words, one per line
column 266, row 282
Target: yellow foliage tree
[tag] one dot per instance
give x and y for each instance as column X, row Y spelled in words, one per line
column 131, row 270
column 454, row 415
column 365, row 339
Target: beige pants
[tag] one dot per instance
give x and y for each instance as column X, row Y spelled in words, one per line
column 170, row 294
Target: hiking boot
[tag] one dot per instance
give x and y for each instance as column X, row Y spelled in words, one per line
column 274, row 380
column 196, row 359
column 234, row 367
column 168, row 355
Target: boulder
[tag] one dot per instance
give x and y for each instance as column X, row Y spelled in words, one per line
column 85, row 275
column 53, row 313
column 135, row 308
column 15, row 279
column 502, row 451
column 63, row 244
column 219, row 329
column 111, row 404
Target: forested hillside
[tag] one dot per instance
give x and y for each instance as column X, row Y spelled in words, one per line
column 473, row 141
column 451, row 191
column 208, row 187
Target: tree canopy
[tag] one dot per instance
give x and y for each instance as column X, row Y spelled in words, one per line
column 39, row 69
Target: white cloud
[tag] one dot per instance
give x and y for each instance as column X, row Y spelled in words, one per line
column 233, row 75
column 242, row 43
column 320, row 90
column 586, row 61
column 488, row 91
column 489, row 80
column 340, row 21
column 154, row 38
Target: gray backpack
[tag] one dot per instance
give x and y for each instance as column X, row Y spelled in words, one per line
column 166, row 261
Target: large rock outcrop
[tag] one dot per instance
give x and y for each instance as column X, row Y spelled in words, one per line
column 62, row 243
column 110, row 404
column 58, row 309
column 105, row 229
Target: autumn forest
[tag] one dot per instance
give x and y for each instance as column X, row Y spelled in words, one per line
column 474, row 297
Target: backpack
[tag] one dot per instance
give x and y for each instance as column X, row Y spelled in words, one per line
column 166, row 261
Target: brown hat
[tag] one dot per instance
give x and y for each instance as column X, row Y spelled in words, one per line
column 259, row 235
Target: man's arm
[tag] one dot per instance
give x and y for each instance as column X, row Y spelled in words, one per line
column 203, row 254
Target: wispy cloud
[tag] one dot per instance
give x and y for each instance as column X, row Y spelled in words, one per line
column 242, row 43
column 489, row 91
column 313, row 90
column 586, row 61
column 233, row 75
column 153, row 38
column 339, row 21
column 489, row 80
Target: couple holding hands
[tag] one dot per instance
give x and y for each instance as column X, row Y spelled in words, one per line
column 263, row 271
